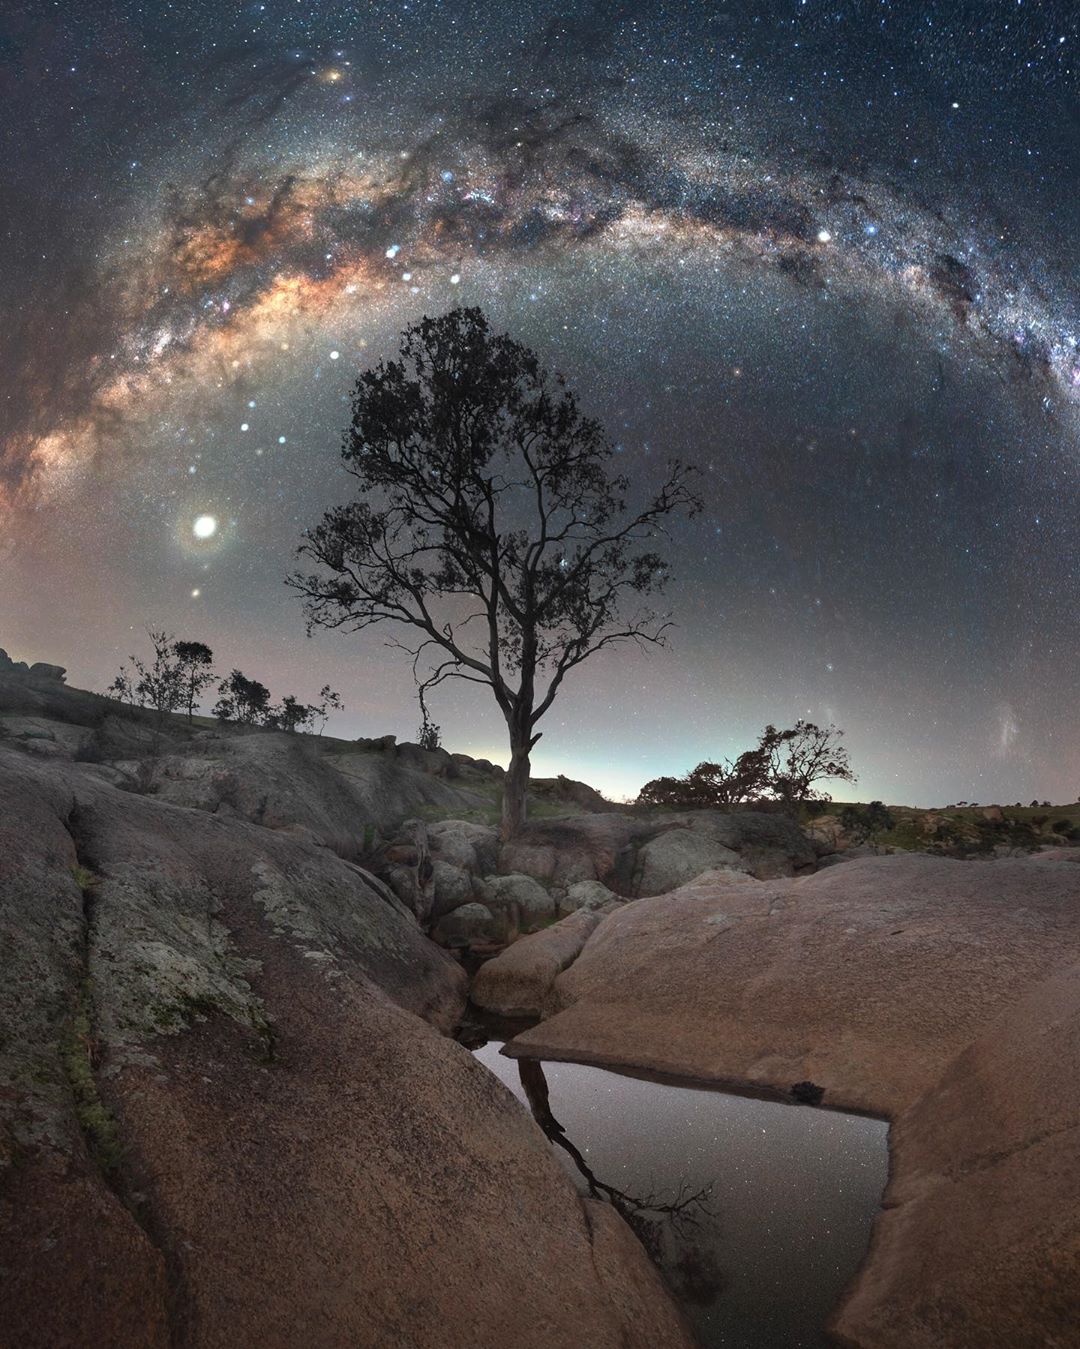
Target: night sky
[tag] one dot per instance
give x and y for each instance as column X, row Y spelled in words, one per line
column 826, row 251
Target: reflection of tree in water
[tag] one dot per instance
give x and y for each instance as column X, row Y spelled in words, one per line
column 665, row 1227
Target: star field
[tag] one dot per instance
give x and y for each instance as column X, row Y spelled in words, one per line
column 824, row 251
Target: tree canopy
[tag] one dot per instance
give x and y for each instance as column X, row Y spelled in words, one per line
column 783, row 766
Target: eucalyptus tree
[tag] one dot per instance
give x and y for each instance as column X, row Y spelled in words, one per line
column 488, row 527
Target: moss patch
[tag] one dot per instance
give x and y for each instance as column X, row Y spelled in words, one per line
column 78, row 1053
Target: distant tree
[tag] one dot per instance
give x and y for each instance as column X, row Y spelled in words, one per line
column 784, row 766
column 329, row 701
column 243, row 700
column 728, row 783
column 158, row 685
column 291, row 715
column 196, row 673
column 802, row 757
column 1034, row 805
column 488, row 521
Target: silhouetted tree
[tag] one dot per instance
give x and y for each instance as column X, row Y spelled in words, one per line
column 196, row 673
column 727, row 783
column 487, row 519
column 803, row 756
column 293, row 715
column 329, row 701
column 784, row 766
column 242, row 699
column 158, row 685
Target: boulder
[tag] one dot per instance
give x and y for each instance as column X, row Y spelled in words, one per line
column 677, row 856
column 451, row 887
column 16, row 668
column 382, row 744
column 409, row 869
column 519, row 982
column 466, row 924
column 589, row 895
column 539, row 860
column 472, row 847
column 520, row 902
column 436, row 762
column 42, row 672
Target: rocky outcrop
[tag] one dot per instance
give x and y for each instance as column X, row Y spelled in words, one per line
column 578, row 848
column 769, row 843
column 867, row 978
column 677, row 856
column 228, row 1115
column 520, row 982
column 941, row 994
column 39, row 673
column 979, row 1243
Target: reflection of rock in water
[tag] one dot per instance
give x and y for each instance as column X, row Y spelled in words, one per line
column 662, row 1226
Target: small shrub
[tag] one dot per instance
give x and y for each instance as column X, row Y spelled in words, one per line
column 429, row 736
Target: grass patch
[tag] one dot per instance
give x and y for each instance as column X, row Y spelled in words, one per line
column 84, row 878
column 492, row 815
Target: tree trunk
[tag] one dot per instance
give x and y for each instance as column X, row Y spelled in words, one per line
column 515, row 791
